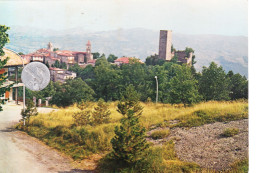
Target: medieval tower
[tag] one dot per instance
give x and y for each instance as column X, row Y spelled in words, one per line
column 89, row 56
column 165, row 45
column 50, row 46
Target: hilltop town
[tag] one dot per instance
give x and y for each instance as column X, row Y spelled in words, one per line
column 55, row 58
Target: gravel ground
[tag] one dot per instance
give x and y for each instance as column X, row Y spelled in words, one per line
column 21, row 153
column 205, row 146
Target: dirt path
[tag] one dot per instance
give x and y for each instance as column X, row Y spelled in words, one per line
column 21, row 153
column 205, row 146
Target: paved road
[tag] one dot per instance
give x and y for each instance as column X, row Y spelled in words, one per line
column 20, row 153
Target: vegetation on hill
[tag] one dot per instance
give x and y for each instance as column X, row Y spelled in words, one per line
column 3, row 40
column 176, row 83
column 58, row 129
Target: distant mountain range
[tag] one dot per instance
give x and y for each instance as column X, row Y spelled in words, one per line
column 231, row 52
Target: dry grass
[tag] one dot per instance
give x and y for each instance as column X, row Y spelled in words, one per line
column 153, row 114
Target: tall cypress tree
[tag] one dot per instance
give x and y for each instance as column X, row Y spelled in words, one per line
column 129, row 142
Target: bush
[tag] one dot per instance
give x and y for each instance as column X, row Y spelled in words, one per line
column 101, row 113
column 160, row 134
column 82, row 118
column 229, row 132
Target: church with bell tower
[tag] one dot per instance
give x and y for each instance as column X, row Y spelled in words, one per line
column 89, row 56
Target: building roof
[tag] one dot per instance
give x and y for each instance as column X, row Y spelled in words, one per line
column 56, row 69
column 88, row 43
column 125, row 60
column 92, row 61
column 14, row 58
column 43, row 50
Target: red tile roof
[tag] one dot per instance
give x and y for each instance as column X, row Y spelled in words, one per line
column 56, row 69
column 89, row 43
column 124, row 60
column 92, row 61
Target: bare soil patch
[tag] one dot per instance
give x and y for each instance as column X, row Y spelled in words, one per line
column 206, row 146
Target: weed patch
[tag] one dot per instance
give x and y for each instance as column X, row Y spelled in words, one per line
column 229, row 132
column 160, row 134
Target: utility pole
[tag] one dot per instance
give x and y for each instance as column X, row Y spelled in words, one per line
column 156, row 89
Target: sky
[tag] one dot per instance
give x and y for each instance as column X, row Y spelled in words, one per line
column 222, row 17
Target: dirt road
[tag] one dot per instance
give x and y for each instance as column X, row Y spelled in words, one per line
column 20, row 153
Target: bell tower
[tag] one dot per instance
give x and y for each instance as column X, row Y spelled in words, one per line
column 50, row 46
column 88, row 51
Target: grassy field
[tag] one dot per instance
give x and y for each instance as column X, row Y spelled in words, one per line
column 58, row 130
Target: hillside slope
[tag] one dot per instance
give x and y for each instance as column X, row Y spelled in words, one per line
column 229, row 51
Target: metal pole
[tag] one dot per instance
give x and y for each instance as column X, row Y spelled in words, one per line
column 156, row 88
column 23, row 92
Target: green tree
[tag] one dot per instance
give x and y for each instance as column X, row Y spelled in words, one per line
column 29, row 111
column 47, row 64
column 107, row 82
column 214, row 84
column 111, row 58
column 20, row 53
column 154, row 60
column 238, row 85
column 3, row 40
column 129, row 142
column 101, row 60
column 96, row 55
column 76, row 68
column 73, row 91
column 82, row 117
column 101, row 113
column 184, row 86
column 55, row 49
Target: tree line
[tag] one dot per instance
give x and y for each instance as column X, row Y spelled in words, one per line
column 178, row 83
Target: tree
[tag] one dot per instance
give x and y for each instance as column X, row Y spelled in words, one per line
column 47, row 64
column 183, row 86
column 29, row 111
column 3, row 40
column 111, row 58
column 55, row 49
column 107, row 82
column 101, row 60
column 20, row 53
column 154, row 60
column 73, row 91
column 214, row 84
column 101, row 113
column 238, row 85
column 129, row 142
column 96, row 55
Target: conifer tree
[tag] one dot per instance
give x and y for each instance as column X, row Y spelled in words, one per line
column 30, row 110
column 101, row 113
column 129, row 142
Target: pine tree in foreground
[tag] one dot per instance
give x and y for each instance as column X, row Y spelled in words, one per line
column 129, row 142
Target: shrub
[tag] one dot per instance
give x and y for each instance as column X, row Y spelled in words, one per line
column 160, row 134
column 229, row 132
column 82, row 118
column 101, row 113
column 29, row 111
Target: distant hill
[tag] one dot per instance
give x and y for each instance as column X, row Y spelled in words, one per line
column 229, row 51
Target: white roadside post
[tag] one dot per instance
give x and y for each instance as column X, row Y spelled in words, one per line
column 23, row 92
column 156, row 89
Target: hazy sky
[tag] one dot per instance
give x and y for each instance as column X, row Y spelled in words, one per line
column 225, row 17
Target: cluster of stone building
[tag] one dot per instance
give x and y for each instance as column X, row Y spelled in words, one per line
column 165, row 52
column 49, row 55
